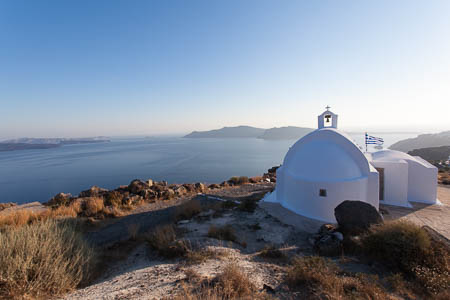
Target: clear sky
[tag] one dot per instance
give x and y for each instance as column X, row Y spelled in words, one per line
column 86, row 68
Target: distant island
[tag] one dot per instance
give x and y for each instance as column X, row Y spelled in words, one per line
column 282, row 133
column 46, row 143
column 423, row 141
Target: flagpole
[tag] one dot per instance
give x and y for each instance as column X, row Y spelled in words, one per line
column 365, row 140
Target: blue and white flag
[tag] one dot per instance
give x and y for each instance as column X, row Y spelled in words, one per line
column 372, row 140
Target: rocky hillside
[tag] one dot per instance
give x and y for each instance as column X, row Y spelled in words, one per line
column 282, row 133
column 423, row 141
column 432, row 154
column 285, row 133
column 228, row 132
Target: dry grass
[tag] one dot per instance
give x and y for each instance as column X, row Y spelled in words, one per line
column 187, row 210
column 201, row 255
column 93, row 206
column 230, row 284
column 26, row 216
column 320, row 278
column 163, row 240
column 405, row 247
column 238, row 180
column 42, row 259
column 225, row 233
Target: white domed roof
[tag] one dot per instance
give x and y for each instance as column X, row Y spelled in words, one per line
column 395, row 156
column 326, row 155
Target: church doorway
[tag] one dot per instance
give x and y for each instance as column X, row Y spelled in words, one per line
column 381, row 185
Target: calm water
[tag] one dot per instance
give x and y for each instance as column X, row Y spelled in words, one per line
column 37, row 175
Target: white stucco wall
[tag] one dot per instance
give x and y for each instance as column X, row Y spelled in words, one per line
column 422, row 182
column 395, row 182
column 302, row 196
column 373, row 188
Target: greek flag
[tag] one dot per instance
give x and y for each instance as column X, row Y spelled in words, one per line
column 372, row 140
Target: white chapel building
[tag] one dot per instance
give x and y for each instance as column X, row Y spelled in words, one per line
column 325, row 168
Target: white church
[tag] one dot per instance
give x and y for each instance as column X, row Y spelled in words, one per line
column 326, row 167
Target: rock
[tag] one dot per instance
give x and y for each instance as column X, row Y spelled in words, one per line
column 189, row 187
column 132, row 200
column 183, row 222
column 167, row 193
column 327, row 228
column 200, row 187
column 148, row 194
column 273, row 170
column 267, row 179
column 60, row 199
column 149, row 182
column 354, row 217
column 213, row 186
column 94, row 191
column 338, row 235
column 268, row 288
column 180, row 190
column 7, row 205
column 137, row 186
column 328, row 245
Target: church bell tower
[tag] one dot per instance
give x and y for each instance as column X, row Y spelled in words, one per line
column 327, row 119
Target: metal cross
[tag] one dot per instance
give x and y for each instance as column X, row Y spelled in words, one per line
column 328, row 108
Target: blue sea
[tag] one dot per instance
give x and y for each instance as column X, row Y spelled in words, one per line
column 37, row 175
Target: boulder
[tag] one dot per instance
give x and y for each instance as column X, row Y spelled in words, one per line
column 94, row 191
column 148, row 194
column 200, row 187
column 214, row 186
column 328, row 245
column 189, row 187
column 137, row 186
column 180, row 190
column 132, row 200
column 354, row 217
column 327, row 228
column 60, row 199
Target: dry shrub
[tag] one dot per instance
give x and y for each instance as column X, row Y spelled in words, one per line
column 201, row 255
column 114, row 199
column 270, row 251
column 230, row 284
column 322, row 280
column 133, row 231
column 187, row 210
column 225, row 233
column 93, row 206
column 65, row 211
column 408, row 248
column 113, row 212
column 44, row 258
column 238, row 180
column 163, row 240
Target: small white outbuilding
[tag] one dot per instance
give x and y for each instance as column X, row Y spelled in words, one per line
column 326, row 167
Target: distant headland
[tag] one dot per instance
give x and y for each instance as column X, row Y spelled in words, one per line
column 423, row 141
column 47, row 143
column 281, row 133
